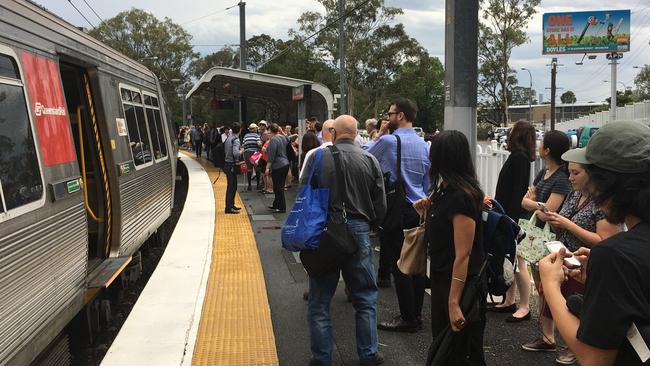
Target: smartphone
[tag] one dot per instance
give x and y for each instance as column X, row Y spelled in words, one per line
column 555, row 246
column 542, row 206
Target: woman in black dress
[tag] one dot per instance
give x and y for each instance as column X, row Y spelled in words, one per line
column 453, row 220
column 512, row 185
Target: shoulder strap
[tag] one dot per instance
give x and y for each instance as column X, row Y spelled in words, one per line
column 336, row 153
column 399, row 157
column 316, row 166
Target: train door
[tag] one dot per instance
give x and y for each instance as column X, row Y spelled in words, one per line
column 76, row 85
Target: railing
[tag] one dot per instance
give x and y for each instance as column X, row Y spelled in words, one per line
column 490, row 160
column 633, row 112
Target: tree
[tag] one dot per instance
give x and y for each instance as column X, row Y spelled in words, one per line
column 162, row 46
column 501, row 30
column 520, row 95
column 225, row 57
column 642, row 82
column 568, row 97
column 622, row 98
column 374, row 49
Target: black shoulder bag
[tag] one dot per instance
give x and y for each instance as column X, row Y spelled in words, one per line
column 395, row 196
column 337, row 244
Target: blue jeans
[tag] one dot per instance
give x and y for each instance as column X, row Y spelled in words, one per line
column 359, row 276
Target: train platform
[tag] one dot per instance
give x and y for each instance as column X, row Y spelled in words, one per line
column 226, row 293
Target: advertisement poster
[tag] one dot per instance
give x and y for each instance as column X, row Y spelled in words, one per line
column 586, row 32
column 48, row 106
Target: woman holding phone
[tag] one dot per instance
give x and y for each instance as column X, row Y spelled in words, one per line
column 616, row 271
column 550, row 189
column 580, row 223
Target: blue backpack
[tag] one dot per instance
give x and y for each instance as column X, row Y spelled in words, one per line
column 500, row 237
column 307, row 219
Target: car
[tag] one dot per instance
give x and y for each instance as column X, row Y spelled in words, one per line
column 584, row 133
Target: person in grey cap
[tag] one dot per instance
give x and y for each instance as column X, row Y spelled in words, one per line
column 602, row 326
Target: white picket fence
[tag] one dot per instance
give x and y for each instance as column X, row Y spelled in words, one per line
column 633, row 112
column 490, row 160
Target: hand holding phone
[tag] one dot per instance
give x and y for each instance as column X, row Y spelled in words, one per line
column 542, row 207
column 555, row 246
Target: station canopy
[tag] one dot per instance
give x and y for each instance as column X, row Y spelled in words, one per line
column 275, row 93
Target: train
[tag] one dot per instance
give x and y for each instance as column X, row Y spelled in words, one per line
column 87, row 172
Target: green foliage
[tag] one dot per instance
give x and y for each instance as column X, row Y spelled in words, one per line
column 623, row 98
column 501, row 30
column 642, row 82
column 521, row 96
column 142, row 37
column 568, row 97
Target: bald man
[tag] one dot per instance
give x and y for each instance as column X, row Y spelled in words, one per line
column 327, row 141
column 365, row 206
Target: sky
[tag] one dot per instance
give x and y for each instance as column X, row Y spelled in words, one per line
column 212, row 26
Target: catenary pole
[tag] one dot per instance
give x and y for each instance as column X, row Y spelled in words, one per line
column 461, row 70
column 343, row 102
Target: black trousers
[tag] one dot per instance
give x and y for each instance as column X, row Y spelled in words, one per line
column 279, row 176
column 207, row 150
column 231, row 190
column 467, row 344
column 409, row 289
column 198, row 144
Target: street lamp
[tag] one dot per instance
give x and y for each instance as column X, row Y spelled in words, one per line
column 530, row 96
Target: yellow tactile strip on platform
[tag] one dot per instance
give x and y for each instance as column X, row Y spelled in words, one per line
column 235, row 326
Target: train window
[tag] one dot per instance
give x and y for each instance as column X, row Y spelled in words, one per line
column 154, row 122
column 126, row 95
column 161, row 133
column 155, row 101
column 8, row 67
column 147, row 99
column 136, row 97
column 144, row 136
column 20, row 176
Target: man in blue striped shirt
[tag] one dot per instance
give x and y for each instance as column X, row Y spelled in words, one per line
column 414, row 174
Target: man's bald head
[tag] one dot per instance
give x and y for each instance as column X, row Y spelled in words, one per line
column 345, row 127
column 327, row 136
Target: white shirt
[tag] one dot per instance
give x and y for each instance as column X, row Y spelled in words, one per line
column 310, row 153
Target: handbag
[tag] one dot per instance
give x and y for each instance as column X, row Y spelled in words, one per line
column 395, row 196
column 532, row 247
column 241, row 168
column 337, row 243
column 413, row 258
column 308, row 216
column 255, row 158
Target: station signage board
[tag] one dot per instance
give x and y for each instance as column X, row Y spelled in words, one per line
column 601, row 31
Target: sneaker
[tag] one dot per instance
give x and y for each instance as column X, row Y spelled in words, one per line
column 379, row 359
column 539, row 345
column 565, row 357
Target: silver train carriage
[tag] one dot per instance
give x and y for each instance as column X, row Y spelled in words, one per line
column 87, row 171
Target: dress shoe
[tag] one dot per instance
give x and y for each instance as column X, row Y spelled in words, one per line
column 232, row 211
column 384, row 282
column 379, row 359
column 397, row 324
column 514, row 319
column 236, row 208
column 503, row 309
column 277, row 210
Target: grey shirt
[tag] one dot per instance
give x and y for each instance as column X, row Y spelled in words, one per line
column 231, row 148
column 277, row 152
column 364, row 182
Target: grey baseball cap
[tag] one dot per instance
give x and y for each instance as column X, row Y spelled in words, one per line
column 622, row 147
column 576, row 156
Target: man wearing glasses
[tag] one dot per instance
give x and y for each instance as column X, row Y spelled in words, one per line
column 414, row 161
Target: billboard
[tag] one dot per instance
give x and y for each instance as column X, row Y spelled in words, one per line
column 586, row 32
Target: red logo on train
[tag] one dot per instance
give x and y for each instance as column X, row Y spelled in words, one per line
column 48, row 104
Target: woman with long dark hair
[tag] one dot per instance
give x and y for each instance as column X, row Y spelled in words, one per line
column 453, row 222
column 511, row 188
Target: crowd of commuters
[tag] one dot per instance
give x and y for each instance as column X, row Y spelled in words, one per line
column 585, row 196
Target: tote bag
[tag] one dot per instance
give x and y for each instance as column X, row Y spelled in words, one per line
column 307, row 219
column 532, row 247
column 413, row 258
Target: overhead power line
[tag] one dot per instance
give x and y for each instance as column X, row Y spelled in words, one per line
column 80, row 13
column 209, row 15
column 334, row 22
column 94, row 12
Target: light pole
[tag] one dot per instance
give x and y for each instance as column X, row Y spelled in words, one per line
column 530, row 96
